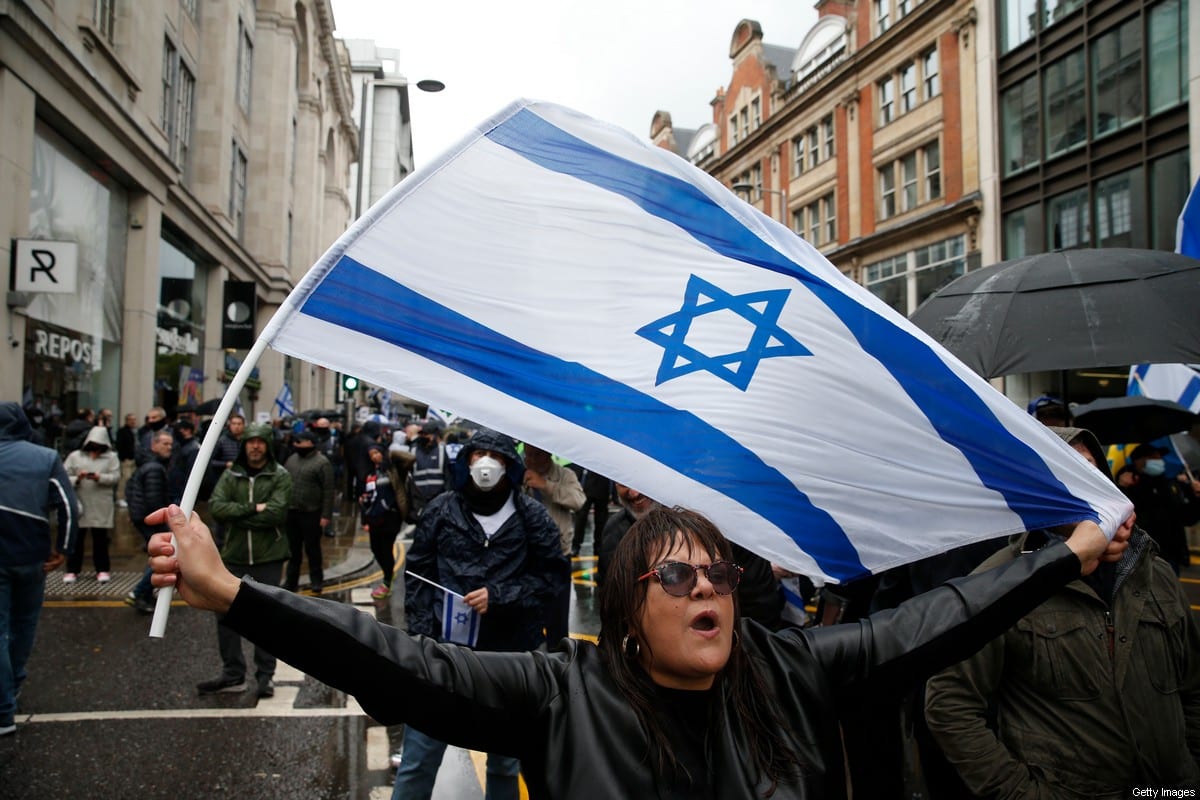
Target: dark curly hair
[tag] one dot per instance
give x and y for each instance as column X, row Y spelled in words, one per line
column 622, row 597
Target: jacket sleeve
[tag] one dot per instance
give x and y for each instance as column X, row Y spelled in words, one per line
column 490, row 702
column 62, row 498
column 957, row 712
column 327, row 481
column 566, row 491
column 111, row 465
column 224, row 503
column 889, row 652
column 422, row 559
column 275, row 514
column 546, row 566
column 1189, row 691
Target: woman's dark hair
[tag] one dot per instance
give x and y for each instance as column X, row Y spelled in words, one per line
column 622, row 597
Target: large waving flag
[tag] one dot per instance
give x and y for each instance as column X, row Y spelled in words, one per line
column 1187, row 227
column 1179, row 383
column 611, row 303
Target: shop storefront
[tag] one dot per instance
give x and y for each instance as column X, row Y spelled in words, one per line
column 72, row 354
column 179, row 355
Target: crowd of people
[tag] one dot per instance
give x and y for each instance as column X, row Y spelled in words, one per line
column 1050, row 664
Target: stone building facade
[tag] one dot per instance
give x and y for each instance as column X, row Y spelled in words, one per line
column 191, row 150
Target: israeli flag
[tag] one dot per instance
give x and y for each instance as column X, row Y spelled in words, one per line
column 283, row 401
column 460, row 622
column 1177, row 382
column 609, row 302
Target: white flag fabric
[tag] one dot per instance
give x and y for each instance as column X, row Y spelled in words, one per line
column 565, row 282
column 1177, row 382
column 460, row 622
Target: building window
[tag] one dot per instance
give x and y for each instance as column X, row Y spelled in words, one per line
column 170, row 67
column 756, row 181
column 191, row 8
column 798, row 222
column 289, row 240
column 105, row 18
column 798, row 155
column 830, row 218
column 887, row 280
column 245, row 66
column 881, row 16
column 908, row 182
column 1018, row 22
column 1020, row 130
column 178, row 102
column 903, row 7
column 1120, row 216
column 929, row 74
column 292, row 165
column 733, row 132
column 755, row 114
column 933, row 171
column 1063, row 89
column 887, row 101
column 1170, row 183
column 827, row 135
column 237, row 191
column 1067, row 220
column 908, row 87
column 814, row 155
column 887, row 192
column 936, row 265
column 1022, row 232
column 1058, row 9
column 744, row 129
column 814, row 223
column 1168, row 55
column 1117, row 78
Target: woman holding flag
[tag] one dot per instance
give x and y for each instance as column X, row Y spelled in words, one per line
column 680, row 698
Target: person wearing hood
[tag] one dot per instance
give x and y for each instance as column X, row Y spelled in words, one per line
column 310, row 512
column 497, row 548
column 32, row 481
column 1165, row 506
column 384, row 507
column 94, row 469
column 251, row 498
column 1109, row 666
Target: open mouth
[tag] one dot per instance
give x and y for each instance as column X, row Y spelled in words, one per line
column 705, row 622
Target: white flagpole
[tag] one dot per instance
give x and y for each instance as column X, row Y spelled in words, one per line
column 435, row 585
column 162, row 607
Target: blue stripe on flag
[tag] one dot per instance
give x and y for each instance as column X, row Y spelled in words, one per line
column 958, row 414
column 1189, row 394
column 360, row 299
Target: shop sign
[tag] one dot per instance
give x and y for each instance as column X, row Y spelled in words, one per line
column 60, row 347
column 239, row 316
column 44, row 266
column 173, row 343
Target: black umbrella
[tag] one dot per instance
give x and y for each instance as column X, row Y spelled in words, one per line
column 1069, row 310
column 1116, row 420
column 208, row 407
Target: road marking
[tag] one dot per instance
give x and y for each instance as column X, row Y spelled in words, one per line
column 378, row 748
column 264, row 709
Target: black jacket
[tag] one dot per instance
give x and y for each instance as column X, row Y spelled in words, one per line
column 576, row 736
column 148, row 490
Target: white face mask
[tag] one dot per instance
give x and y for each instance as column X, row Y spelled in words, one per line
column 486, row 472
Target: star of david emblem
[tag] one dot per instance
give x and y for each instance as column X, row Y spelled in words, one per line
column 461, row 618
column 767, row 340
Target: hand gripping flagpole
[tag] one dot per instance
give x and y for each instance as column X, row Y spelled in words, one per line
column 162, row 607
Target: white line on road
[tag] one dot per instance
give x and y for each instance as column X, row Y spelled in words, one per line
column 263, row 710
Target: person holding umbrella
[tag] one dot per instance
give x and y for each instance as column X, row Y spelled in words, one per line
column 1164, row 506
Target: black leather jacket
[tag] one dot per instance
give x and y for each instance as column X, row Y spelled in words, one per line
column 575, row 734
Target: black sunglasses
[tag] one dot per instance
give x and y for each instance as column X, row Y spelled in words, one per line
column 678, row 578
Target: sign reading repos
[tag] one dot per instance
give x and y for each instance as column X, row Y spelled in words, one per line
column 44, row 266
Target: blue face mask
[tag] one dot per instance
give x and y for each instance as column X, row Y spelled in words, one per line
column 1154, row 467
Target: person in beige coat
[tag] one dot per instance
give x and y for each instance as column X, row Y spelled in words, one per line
column 94, row 470
column 559, row 490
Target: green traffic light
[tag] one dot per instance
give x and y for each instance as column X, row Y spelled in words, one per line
column 349, row 383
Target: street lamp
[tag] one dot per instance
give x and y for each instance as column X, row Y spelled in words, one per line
column 749, row 188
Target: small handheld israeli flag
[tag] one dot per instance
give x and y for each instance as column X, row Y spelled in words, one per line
column 460, row 622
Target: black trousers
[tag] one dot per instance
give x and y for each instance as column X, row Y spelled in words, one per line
column 99, row 551
column 304, row 538
column 601, row 513
column 383, row 530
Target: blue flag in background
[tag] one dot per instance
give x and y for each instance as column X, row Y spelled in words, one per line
column 613, row 304
column 1187, row 229
column 283, row 401
column 460, row 622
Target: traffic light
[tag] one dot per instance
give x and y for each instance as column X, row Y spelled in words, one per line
column 349, row 383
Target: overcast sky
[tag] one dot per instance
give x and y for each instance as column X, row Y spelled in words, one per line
column 617, row 60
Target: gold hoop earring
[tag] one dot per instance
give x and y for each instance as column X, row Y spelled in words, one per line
column 637, row 647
